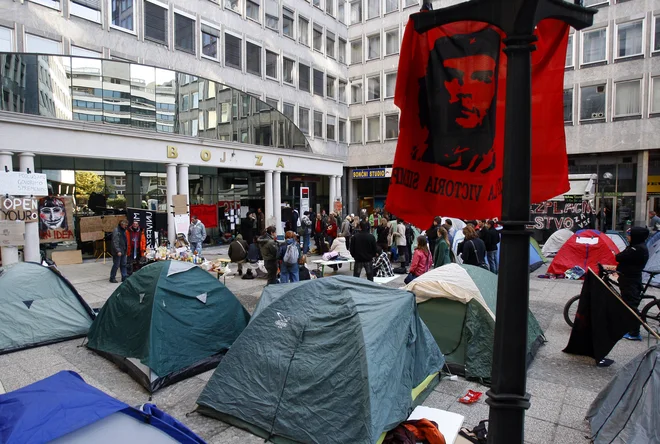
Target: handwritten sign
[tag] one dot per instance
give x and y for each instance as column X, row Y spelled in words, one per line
column 56, row 219
column 180, row 204
column 12, row 234
column 23, row 184
column 24, row 209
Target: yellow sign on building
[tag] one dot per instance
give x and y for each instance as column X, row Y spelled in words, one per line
column 653, row 184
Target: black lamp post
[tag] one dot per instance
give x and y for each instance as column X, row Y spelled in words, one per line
column 507, row 397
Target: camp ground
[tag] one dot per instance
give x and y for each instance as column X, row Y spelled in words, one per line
column 586, row 249
column 167, row 322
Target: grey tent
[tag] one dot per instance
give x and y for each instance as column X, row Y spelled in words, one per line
column 38, row 306
column 627, row 410
column 336, row 360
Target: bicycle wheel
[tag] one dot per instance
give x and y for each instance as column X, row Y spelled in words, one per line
column 570, row 309
column 651, row 315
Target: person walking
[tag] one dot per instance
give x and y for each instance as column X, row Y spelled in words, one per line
column 472, row 248
column 289, row 254
column 631, row 262
column 319, row 234
column 331, row 232
column 363, row 250
column 306, row 224
column 238, row 252
column 441, row 254
column 118, row 249
column 136, row 245
column 268, row 248
column 491, row 239
column 196, row 235
column 382, row 234
column 432, row 233
column 400, row 242
column 422, row 260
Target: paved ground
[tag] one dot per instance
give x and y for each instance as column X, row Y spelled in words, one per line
column 562, row 386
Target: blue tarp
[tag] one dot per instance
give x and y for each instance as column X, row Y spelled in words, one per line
column 535, row 260
column 63, row 403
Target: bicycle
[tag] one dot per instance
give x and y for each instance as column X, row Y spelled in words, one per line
column 650, row 314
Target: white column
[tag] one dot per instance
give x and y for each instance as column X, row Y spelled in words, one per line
column 184, row 186
column 277, row 202
column 31, row 251
column 332, row 188
column 641, row 198
column 269, row 212
column 171, row 191
column 9, row 254
column 338, row 193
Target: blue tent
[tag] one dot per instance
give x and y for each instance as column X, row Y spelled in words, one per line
column 65, row 408
column 536, row 259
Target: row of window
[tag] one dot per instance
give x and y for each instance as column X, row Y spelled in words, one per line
column 375, row 8
column 627, row 100
column 373, row 46
column 629, row 41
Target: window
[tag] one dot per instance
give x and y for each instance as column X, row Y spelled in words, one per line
column 411, row 3
column 252, row 10
column 87, row 9
column 373, row 87
column 592, row 102
column 288, row 66
column 356, row 51
column 356, row 131
column 330, row 7
column 356, row 12
column 233, row 5
column 373, row 8
column 287, row 22
column 303, row 77
column 390, row 84
column 318, row 83
column 318, row 38
column 356, row 91
column 330, row 87
column 318, row 124
column 273, row 15
column 271, row 64
column 330, row 44
column 342, row 91
column 391, row 5
column 272, row 102
column 317, row 3
column 184, row 33
column 373, row 129
column 373, row 47
column 303, row 31
column 629, row 38
column 655, row 95
column 82, row 52
column 233, row 54
column 155, row 23
column 568, row 105
column 330, row 123
column 569, row 51
column 594, row 2
column 628, row 98
column 341, row 11
column 288, row 110
column 42, row 45
column 341, row 51
column 55, row 4
column 341, row 131
column 392, row 126
column 253, row 58
column 303, row 120
column 656, row 33
column 594, row 46
column 210, row 37
column 392, row 42
column 6, row 41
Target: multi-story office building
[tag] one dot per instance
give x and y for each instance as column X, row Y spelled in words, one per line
column 612, row 99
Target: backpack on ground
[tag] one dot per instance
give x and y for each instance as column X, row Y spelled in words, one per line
column 291, row 256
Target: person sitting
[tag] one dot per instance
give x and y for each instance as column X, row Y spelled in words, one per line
column 422, row 260
column 303, row 271
column 238, row 252
column 339, row 247
column 382, row 265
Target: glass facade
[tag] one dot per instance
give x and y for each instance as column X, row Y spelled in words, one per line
column 140, row 96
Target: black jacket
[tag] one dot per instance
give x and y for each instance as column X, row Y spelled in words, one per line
column 119, row 243
column 490, row 237
column 633, row 259
column 363, row 247
column 474, row 251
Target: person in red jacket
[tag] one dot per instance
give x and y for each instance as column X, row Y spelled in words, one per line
column 331, row 231
column 137, row 245
column 422, row 260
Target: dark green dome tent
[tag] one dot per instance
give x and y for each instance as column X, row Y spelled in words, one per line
column 38, row 306
column 167, row 322
column 333, row 360
column 458, row 304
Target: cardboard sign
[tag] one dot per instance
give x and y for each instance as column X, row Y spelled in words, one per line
column 12, row 234
column 91, row 236
column 69, row 257
column 23, row 184
column 180, row 204
column 90, row 224
column 24, row 209
column 56, row 219
column 110, row 222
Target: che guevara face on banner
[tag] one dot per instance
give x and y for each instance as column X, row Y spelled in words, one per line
column 457, row 100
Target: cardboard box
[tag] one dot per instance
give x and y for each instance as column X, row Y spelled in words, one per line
column 68, row 257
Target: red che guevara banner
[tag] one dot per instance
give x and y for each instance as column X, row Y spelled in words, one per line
column 451, row 89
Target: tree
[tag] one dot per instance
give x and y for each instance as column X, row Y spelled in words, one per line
column 88, row 183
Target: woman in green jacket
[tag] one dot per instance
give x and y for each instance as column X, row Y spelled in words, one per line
column 441, row 254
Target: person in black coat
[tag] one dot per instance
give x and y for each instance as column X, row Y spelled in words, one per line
column 432, row 232
column 491, row 238
column 363, row 250
column 472, row 248
column 631, row 263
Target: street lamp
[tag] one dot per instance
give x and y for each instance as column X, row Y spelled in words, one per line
column 607, row 178
column 507, row 397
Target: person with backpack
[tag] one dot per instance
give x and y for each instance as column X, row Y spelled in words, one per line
column 238, row 252
column 289, row 254
column 472, row 248
column 306, row 224
column 422, row 260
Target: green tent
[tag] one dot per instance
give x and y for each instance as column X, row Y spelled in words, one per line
column 167, row 322
column 458, row 303
column 38, row 306
column 335, row 360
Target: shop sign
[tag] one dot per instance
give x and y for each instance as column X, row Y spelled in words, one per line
column 23, row 184
column 372, row 173
column 653, row 184
column 206, row 155
column 19, row 209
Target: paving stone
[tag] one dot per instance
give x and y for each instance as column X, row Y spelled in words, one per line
column 546, row 390
column 565, row 435
column 544, row 409
column 233, row 435
column 538, row 431
column 573, row 417
column 579, row 397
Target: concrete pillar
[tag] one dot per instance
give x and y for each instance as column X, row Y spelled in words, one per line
column 269, row 208
column 352, row 191
column 641, row 210
column 31, row 251
column 171, row 191
column 184, row 186
column 9, row 254
column 277, row 202
column 331, row 192
column 338, row 180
